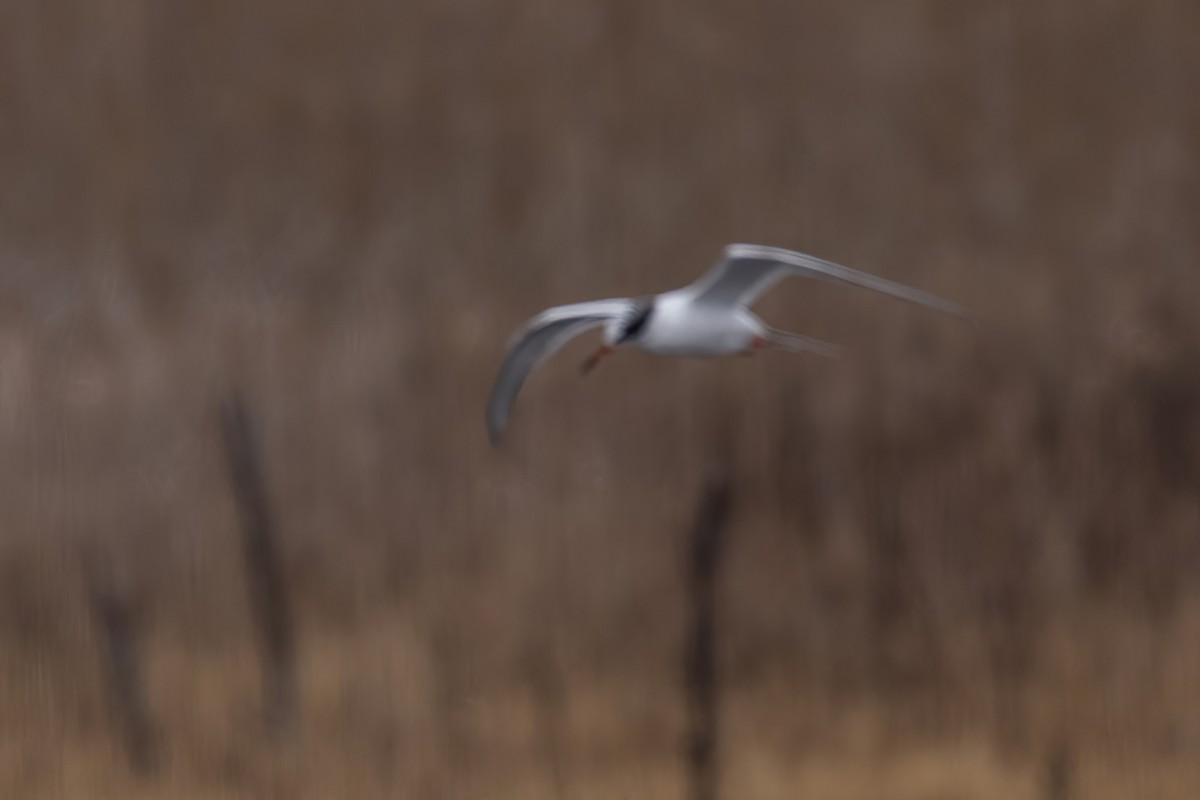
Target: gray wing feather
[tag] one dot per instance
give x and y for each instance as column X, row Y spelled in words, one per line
column 534, row 342
column 748, row 270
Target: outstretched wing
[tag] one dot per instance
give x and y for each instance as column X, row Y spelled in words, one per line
column 748, row 270
column 537, row 340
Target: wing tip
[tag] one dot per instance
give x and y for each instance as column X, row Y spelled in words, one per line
column 496, row 422
column 954, row 309
column 495, row 435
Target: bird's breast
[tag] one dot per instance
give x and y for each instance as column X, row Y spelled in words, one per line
column 678, row 329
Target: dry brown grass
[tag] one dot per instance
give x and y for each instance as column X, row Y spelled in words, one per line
column 962, row 562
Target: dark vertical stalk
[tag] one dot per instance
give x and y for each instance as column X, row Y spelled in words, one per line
column 700, row 674
column 1059, row 768
column 124, row 671
column 263, row 567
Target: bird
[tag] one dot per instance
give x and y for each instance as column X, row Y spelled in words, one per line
column 708, row 318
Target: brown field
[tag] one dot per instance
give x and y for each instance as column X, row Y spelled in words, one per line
column 961, row 563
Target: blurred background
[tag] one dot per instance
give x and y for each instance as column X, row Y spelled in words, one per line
column 957, row 563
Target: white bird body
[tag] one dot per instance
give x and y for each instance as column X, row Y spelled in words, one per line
column 678, row 327
column 711, row 317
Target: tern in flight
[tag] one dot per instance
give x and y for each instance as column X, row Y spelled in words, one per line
column 710, row 317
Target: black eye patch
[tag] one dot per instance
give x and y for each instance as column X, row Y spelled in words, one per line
column 638, row 321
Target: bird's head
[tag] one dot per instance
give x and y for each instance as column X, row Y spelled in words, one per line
column 621, row 329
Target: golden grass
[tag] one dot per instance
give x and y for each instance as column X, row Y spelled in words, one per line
column 374, row 725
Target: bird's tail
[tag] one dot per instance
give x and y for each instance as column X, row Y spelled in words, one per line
column 799, row 343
